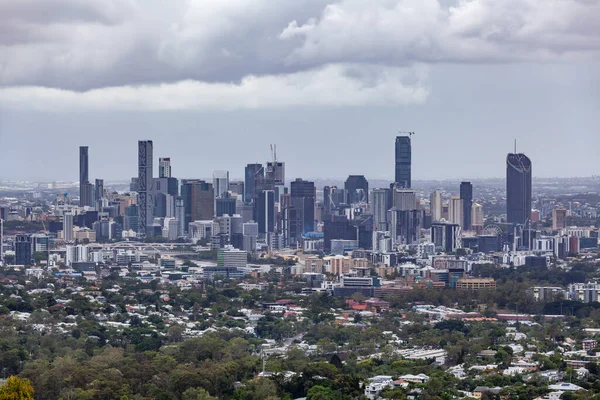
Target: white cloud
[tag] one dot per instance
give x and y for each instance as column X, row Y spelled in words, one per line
column 182, row 49
column 331, row 85
column 399, row 32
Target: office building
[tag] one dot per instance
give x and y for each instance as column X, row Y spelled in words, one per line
column 265, row 211
column 68, row 227
column 477, row 215
column 466, row 195
column 180, row 216
column 254, row 176
column 403, row 162
column 518, row 188
column 165, row 190
column 23, row 250
column 237, row 188
column 226, row 204
column 99, row 190
column 198, row 199
column 404, row 226
column 455, row 210
column 380, row 203
column 559, row 218
column 164, row 167
column 145, row 186
column 131, row 220
column 250, row 236
column 275, row 173
column 338, row 227
column 198, row 230
column 474, row 284
column 435, row 205
column 334, row 199
column 292, row 224
column 303, row 197
column 76, row 254
column 220, row 182
column 404, row 199
column 85, row 187
column 446, row 236
column 357, row 189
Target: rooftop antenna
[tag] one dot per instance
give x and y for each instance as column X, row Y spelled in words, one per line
column 515, row 146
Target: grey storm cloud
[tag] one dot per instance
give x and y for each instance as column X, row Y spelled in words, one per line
column 78, row 45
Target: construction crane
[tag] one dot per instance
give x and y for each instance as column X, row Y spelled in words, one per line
column 406, row 133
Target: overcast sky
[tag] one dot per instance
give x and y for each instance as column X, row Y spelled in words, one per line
column 213, row 82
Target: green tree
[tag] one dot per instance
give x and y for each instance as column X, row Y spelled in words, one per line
column 319, row 392
column 16, row 388
column 196, row 394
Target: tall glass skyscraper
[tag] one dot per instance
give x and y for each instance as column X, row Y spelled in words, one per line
column 518, row 188
column 145, row 186
column 403, row 161
column 466, row 195
column 254, row 175
column 85, row 187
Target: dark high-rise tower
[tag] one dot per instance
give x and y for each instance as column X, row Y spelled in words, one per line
column 518, row 188
column 466, row 195
column 302, row 196
column 85, row 187
column 357, row 189
column 145, row 186
column 99, row 189
column 254, row 175
column 403, row 161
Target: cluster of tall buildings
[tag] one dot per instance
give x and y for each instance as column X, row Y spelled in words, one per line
column 262, row 207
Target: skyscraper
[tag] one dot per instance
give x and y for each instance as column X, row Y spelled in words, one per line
column 303, row 197
column 466, row 195
column 477, row 217
column 198, row 199
column 404, row 199
column 518, row 188
column 68, row 227
column 180, row 216
column 435, row 205
column 357, row 189
column 275, row 173
column 237, row 187
column 254, row 175
column 403, row 161
column 404, row 226
column 455, row 210
column 164, row 167
column 99, row 189
column 226, row 204
column 380, row 202
column 145, row 186
column 85, row 187
column 559, row 218
column 165, row 190
column 220, row 182
column 446, row 236
column 265, row 211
